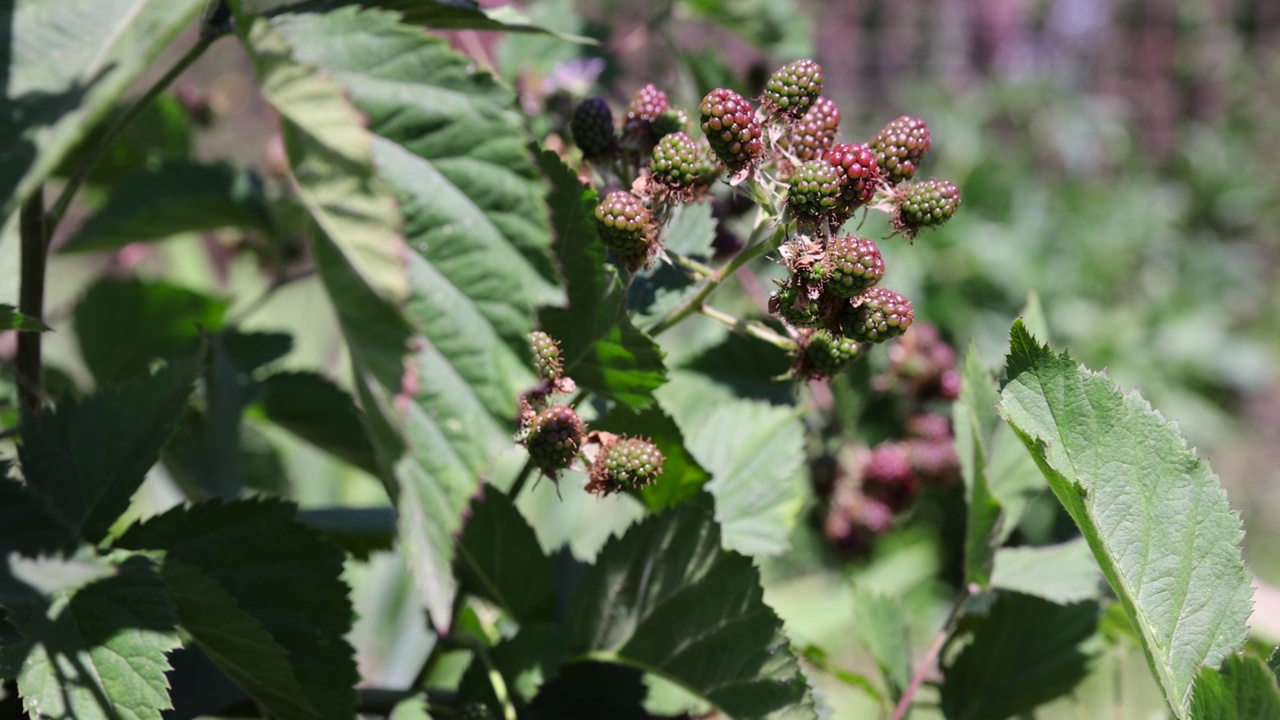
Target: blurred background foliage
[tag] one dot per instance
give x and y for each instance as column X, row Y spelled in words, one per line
column 1117, row 160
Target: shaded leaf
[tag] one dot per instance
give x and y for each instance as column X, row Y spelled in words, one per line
column 87, row 457
column 31, row 528
column 125, row 324
column 176, row 197
column 1025, row 651
column 318, row 411
column 668, row 598
column 526, row 662
column 358, row 531
column 280, row 573
column 603, row 352
column 1243, row 689
column 499, row 560
column 1065, row 573
column 101, row 47
column 690, row 230
column 753, row 451
column 1154, row 514
column 98, row 652
column 882, row 625
column 590, row 691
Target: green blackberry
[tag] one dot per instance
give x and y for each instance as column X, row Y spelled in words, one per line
column 854, row 265
column 877, row 315
column 676, row 162
column 625, row 464
column 814, row 133
column 546, row 356
column 730, row 124
column 924, row 204
column 624, row 224
column 794, row 305
column 671, row 121
column 792, row 89
column 592, row 128
column 899, row 147
column 857, row 165
column 555, row 436
column 826, row 354
column 814, row 189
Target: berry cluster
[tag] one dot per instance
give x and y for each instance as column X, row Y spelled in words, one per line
column 869, row 487
column 555, row 436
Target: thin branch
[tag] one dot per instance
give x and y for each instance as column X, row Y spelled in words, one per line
column 92, row 158
column 750, row 328
column 929, row 659
column 34, row 248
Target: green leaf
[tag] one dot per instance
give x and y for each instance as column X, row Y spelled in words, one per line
column 87, row 457
column 124, row 325
column 754, row 452
column 603, row 352
column 1154, row 514
column 690, row 230
column 359, row 531
column 280, row 573
column 100, row 47
column 98, row 653
column 437, row 14
column 11, row 319
column 976, row 422
column 499, row 560
column 1064, row 574
column 882, row 625
column 31, row 528
column 1243, row 689
column 780, row 27
column 161, row 131
column 413, row 708
column 1024, row 652
column 448, row 147
column 235, row 641
column 176, row 197
column 668, row 598
column 682, row 477
column 318, row 411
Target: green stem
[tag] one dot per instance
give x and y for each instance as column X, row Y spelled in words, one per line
column 693, row 266
column 750, row 328
column 753, row 250
column 113, row 133
column 33, row 238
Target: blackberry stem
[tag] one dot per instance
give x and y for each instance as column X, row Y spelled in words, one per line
column 750, row 328
column 693, row 266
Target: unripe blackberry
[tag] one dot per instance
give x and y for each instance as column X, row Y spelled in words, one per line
column 857, row 166
column 878, row 315
column 546, row 356
column 625, row 464
column 853, row 523
column 730, row 125
column 826, row 354
column 671, row 121
column 676, row 162
column 795, row 307
column 592, row 128
column 792, row 89
column 925, row 204
column 815, row 132
column 646, row 106
column 623, row 222
column 854, row 265
column 555, row 436
column 888, row 477
column 814, row 189
column 935, row 460
column 899, row 147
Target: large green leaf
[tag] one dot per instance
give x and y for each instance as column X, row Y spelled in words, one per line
column 65, row 65
column 318, row 411
column 1243, row 689
column 123, row 325
column 603, row 352
column 1064, row 573
column 278, row 572
column 753, row 451
column 1154, row 514
column 87, row 457
column 98, row 652
column 499, row 559
column 476, row 264
column 1024, row 652
column 176, row 197
column 666, row 597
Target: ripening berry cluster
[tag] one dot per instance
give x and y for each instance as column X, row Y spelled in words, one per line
column 787, row 143
column 875, row 485
column 556, row 437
